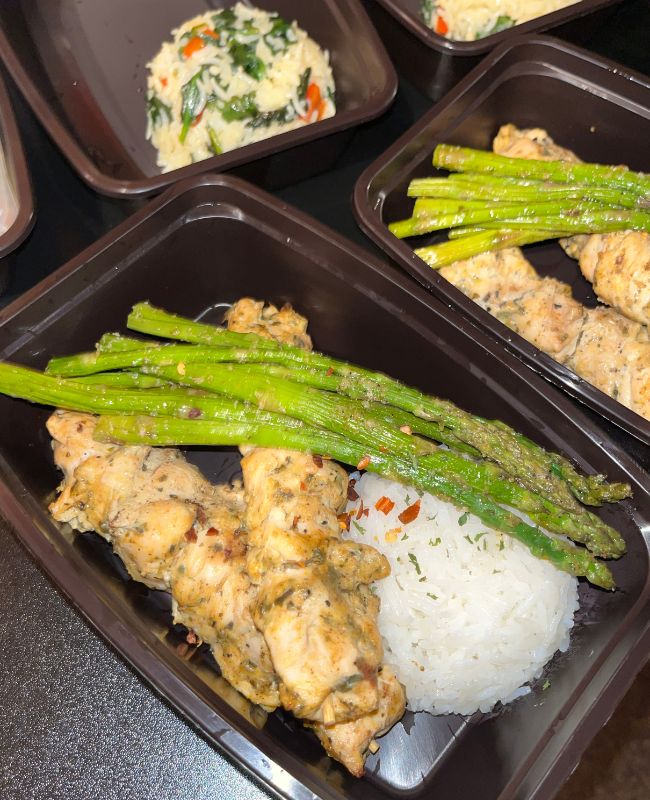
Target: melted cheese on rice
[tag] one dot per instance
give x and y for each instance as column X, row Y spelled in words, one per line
column 230, row 78
column 467, row 20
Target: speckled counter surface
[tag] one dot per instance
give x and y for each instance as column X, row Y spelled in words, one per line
column 77, row 722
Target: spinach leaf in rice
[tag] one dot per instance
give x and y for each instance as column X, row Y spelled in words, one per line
column 231, row 78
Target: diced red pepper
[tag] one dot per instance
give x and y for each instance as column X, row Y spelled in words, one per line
column 195, row 44
column 314, row 102
column 441, row 26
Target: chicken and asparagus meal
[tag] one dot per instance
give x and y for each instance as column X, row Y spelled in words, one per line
column 442, row 573
column 530, row 190
column 468, row 20
column 230, row 78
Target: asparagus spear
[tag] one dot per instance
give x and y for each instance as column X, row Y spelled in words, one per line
column 148, row 319
column 168, row 431
column 364, row 426
column 533, row 467
column 489, row 187
column 465, row 159
column 482, row 477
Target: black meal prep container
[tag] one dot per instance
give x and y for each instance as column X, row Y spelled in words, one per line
column 22, row 215
column 586, row 103
column 205, row 243
column 81, row 65
column 434, row 64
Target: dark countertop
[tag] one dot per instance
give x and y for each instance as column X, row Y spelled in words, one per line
column 78, row 722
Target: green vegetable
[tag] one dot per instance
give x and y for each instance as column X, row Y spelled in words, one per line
column 280, row 35
column 540, row 471
column 266, row 118
column 303, row 83
column 494, row 202
column 215, row 144
column 239, row 107
column 224, row 21
column 244, row 56
column 502, row 23
column 234, row 422
column 193, row 101
column 157, row 110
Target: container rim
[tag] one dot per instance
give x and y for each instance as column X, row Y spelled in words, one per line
column 19, row 229
column 416, row 26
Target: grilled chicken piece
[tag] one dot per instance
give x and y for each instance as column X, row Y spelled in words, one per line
column 532, row 143
column 315, row 607
column 174, row 531
column 323, row 638
column 285, row 325
column 601, row 345
column 350, row 741
column 616, row 264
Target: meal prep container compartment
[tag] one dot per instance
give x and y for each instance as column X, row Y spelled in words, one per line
column 209, row 242
column 82, row 67
column 586, row 103
column 435, row 64
column 16, row 195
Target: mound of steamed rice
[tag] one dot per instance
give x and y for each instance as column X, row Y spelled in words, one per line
column 467, row 20
column 468, row 615
column 232, row 77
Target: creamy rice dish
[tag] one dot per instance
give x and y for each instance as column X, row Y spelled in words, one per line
column 232, row 77
column 467, row 20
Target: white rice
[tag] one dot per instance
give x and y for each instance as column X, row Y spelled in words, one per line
column 242, row 78
column 468, row 615
column 467, row 20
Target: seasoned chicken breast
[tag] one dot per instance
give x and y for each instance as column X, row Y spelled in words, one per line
column 601, row 345
column 314, row 606
column 174, row 531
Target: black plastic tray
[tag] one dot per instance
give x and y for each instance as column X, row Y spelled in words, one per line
column 211, row 241
column 589, row 104
column 434, row 63
column 82, row 67
column 17, row 175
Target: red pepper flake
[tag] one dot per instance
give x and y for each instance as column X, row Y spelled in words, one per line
column 303, row 486
column 406, row 429
column 366, row 511
column 344, row 520
column 190, row 535
column 163, row 81
column 330, row 371
column 296, row 520
column 410, row 513
column 385, row 505
column 364, row 462
column 383, row 448
column 201, row 517
column 318, row 460
column 360, row 511
column 212, row 532
column 193, row 413
column 352, row 492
